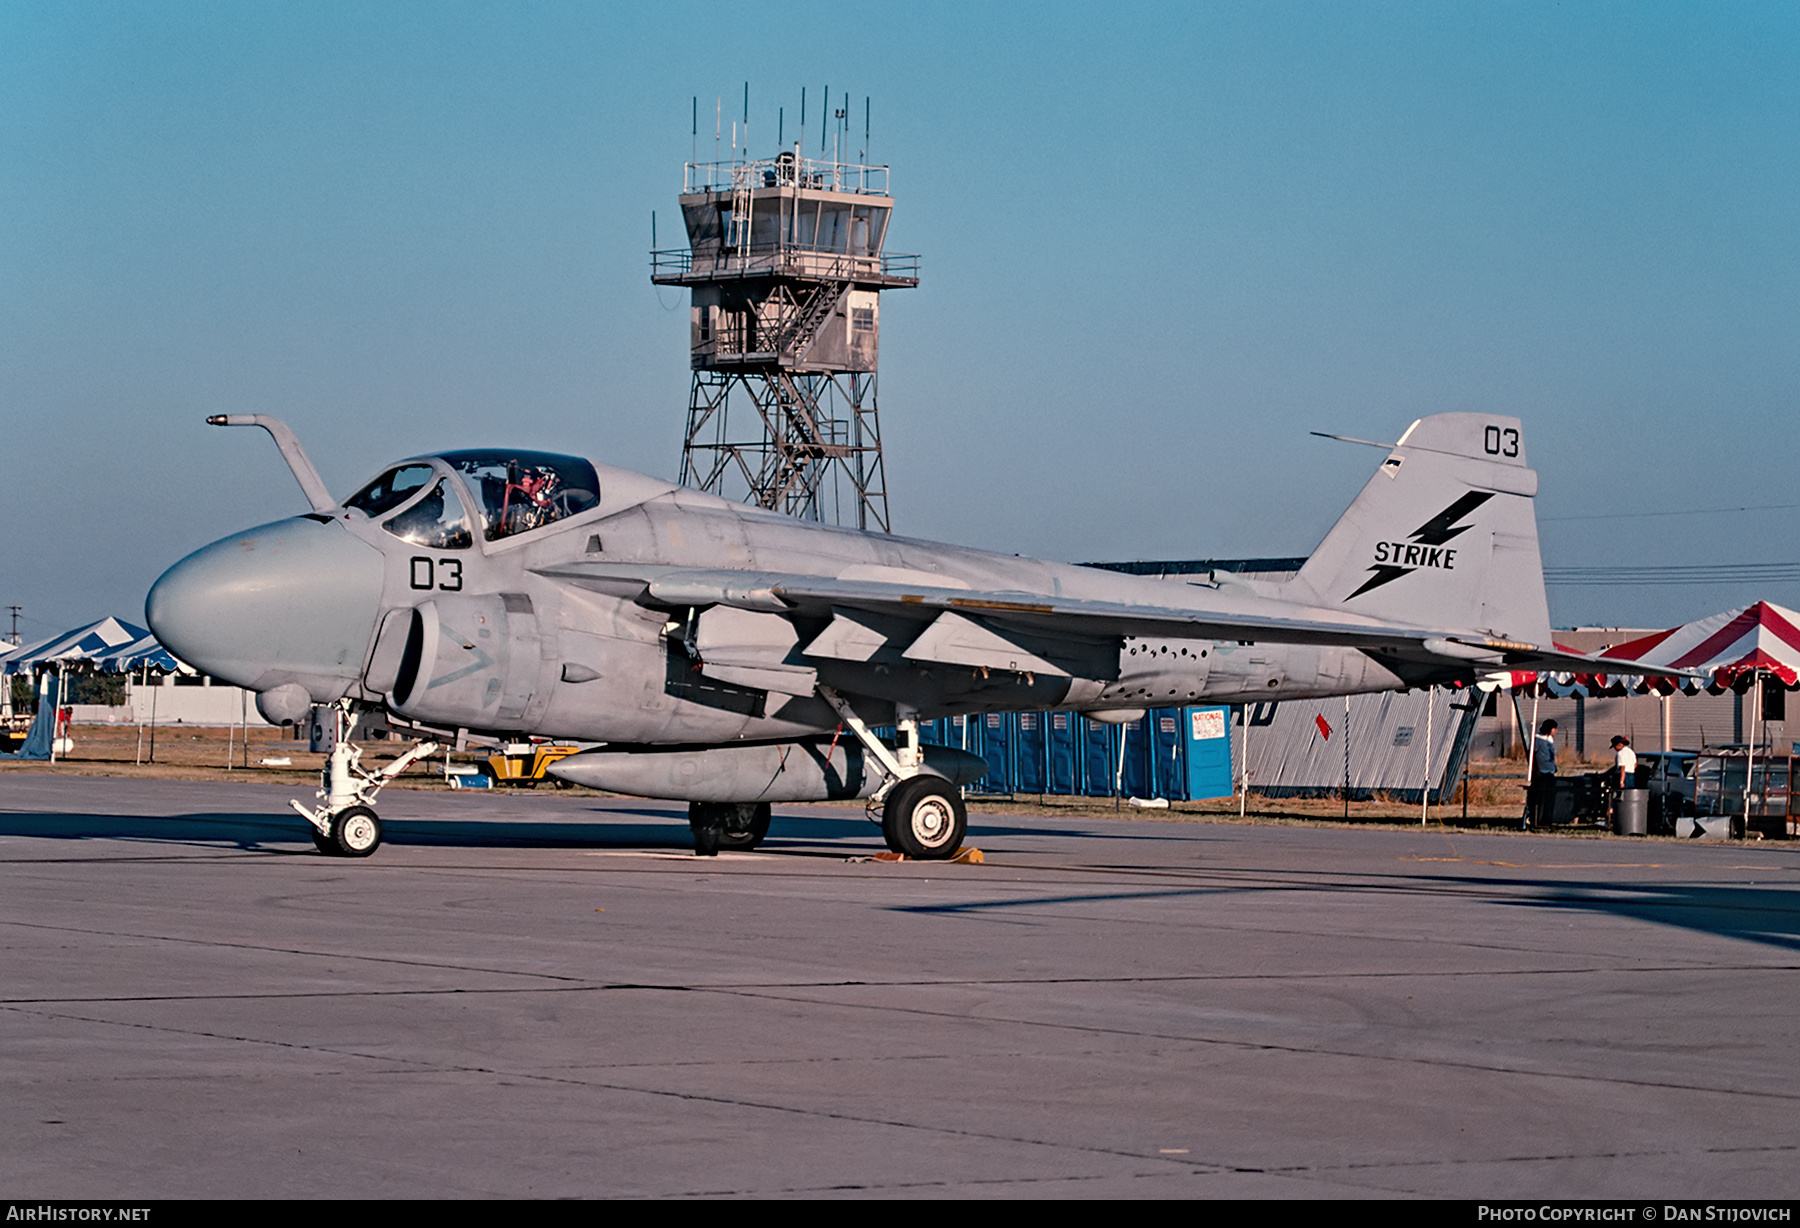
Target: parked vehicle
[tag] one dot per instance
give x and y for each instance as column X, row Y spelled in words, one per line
column 1669, row 775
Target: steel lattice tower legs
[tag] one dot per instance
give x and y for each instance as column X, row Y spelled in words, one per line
column 812, row 449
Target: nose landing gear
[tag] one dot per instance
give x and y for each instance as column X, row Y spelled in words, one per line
column 345, row 823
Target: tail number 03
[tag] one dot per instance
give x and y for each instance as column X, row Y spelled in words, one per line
column 445, row 574
column 1501, row 442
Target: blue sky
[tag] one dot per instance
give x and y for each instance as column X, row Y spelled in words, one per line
column 1159, row 247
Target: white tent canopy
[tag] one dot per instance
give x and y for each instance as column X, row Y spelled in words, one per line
column 111, row 645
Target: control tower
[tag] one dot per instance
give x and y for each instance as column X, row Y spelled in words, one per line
column 786, row 266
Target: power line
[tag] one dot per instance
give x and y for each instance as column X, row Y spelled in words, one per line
column 1691, row 573
column 1697, row 511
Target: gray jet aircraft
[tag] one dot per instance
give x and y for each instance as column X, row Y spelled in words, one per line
column 731, row 657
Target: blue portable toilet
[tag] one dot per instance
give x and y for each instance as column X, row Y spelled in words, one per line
column 1061, row 751
column 995, row 746
column 1167, row 746
column 1140, row 766
column 1028, row 754
column 1206, row 733
column 1099, row 757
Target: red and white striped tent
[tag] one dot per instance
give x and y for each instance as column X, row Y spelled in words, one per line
column 1728, row 650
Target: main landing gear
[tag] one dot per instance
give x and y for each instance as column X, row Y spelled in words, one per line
column 727, row 825
column 923, row 817
column 345, row 823
column 922, row 814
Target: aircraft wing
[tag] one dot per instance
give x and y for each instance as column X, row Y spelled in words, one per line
column 1033, row 631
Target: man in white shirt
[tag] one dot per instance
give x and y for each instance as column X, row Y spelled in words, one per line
column 1624, row 771
column 1624, row 763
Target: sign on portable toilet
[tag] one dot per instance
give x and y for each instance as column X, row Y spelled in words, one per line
column 1208, row 752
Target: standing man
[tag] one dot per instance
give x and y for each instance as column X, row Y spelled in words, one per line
column 1624, row 773
column 1543, row 776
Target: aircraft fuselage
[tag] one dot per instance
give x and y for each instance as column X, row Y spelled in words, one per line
column 555, row 631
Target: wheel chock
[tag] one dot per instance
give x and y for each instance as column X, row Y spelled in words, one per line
column 966, row 855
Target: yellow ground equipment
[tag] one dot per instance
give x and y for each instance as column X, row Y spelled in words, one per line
column 524, row 763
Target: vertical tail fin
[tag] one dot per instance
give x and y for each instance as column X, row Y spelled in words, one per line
column 1444, row 535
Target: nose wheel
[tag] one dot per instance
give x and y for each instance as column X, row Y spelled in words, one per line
column 345, row 823
column 356, row 832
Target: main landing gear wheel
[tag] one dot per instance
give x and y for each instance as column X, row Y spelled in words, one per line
column 924, row 818
column 324, row 843
column 356, row 832
column 727, row 825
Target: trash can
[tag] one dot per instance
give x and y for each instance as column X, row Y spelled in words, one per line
column 1631, row 814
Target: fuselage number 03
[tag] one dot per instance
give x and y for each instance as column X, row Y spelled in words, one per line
column 445, row 574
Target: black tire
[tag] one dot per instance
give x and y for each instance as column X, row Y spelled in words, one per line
column 727, row 825
column 924, row 818
column 324, row 843
column 356, row 832
column 746, row 823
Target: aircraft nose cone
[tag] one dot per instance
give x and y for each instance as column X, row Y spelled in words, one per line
column 294, row 601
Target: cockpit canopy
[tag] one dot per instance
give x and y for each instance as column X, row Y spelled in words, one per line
column 513, row 492
column 520, row 491
column 391, row 489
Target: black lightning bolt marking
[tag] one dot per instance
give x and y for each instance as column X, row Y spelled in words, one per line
column 1438, row 530
column 1383, row 574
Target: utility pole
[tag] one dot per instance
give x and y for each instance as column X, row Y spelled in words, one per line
column 6, row 699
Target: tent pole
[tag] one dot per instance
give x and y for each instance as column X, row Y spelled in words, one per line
column 1119, row 775
column 1244, row 767
column 1750, row 758
column 1425, row 793
column 1346, row 758
column 62, row 691
column 1531, row 752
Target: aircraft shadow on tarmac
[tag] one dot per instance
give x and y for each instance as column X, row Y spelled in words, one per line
column 1766, row 915
column 615, row 827
column 612, row 828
